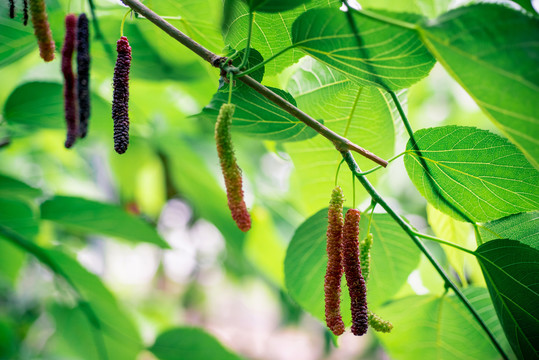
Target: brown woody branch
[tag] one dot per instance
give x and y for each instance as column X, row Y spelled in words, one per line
column 341, row 143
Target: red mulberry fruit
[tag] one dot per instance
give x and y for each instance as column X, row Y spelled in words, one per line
column 352, row 271
column 231, row 171
column 334, row 270
column 42, row 29
column 70, row 106
column 120, row 97
column 365, row 256
column 378, row 324
column 83, row 73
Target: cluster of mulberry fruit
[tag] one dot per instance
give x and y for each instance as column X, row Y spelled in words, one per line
column 346, row 254
column 76, row 99
column 231, row 170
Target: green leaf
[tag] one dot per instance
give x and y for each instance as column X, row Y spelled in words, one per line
column 360, row 113
column 113, row 326
column 11, row 186
column 189, row 344
column 527, row 5
column 94, row 217
column 472, row 174
column 16, row 40
column 274, row 6
column 511, row 270
column 390, row 57
column 271, row 32
column 492, row 51
column 257, row 116
column 38, row 105
column 18, row 216
column 393, row 257
column 431, row 327
column 523, row 227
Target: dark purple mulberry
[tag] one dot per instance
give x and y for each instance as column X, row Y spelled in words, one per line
column 120, row 98
column 12, row 9
column 83, row 73
column 70, row 105
column 352, row 270
column 42, row 29
column 334, row 270
column 231, row 170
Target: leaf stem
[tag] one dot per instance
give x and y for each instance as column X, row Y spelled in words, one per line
column 350, row 161
column 341, row 143
column 245, row 59
column 445, row 242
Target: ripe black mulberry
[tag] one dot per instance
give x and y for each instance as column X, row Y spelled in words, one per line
column 231, row 170
column 12, row 9
column 352, row 271
column 120, row 98
column 42, row 29
column 70, row 105
column 334, row 270
column 83, row 73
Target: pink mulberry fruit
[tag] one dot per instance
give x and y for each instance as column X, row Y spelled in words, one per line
column 334, row 270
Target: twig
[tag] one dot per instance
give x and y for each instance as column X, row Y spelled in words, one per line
column 341, row 143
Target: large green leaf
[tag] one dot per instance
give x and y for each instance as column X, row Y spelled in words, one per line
column 11, row 186
column 98, row 318
column 360, row 113
column 389, row 57
column 38, row 105
column 274, row 6
column 492, row 51
column 271, row 32
column 19, row 217
column 523, row 227
column 189, row 344
column 431, row 327
column 95, row 217
column 16, row 40
column 257, row 116
column 393, row 258
column 471, row 173
column 511, row 270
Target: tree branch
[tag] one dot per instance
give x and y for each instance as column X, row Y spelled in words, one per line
column 341, row 143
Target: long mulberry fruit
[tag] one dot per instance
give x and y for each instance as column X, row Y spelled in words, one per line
column 231, row 171
column 378, row 324
column 42, row 29
column 352, row 270
column 334, row 270
column 120, row 97
column 365, row 256
column 12, row 9
column 83, row 73
column 70, row 105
